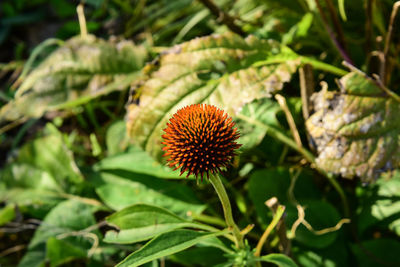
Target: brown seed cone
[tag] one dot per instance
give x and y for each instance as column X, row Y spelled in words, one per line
column 200, row 139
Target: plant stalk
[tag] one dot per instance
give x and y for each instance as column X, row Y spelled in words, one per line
column 226, row 205
column 278, row 215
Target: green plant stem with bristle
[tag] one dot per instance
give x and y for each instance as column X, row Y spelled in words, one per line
column 226, row 205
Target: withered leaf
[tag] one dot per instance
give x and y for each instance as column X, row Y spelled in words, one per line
column 356, row 129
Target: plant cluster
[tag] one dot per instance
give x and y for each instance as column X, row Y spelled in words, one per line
column 199, row 133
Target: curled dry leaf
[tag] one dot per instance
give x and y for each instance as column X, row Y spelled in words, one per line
column 217, row 70
column 356, row 129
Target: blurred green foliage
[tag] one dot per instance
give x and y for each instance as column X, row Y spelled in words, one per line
column 82, row 180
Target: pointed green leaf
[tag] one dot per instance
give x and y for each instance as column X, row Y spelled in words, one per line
column 356, row 130
column 216, row 69
column 141, row 222
column 166, row 244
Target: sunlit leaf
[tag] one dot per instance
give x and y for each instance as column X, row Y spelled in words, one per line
column 66, row 222
column 62, row 224
column 381, row 206
column 120, row 189
column 7, row 214
column 216, row 69
column 265, row 111
column 356, row 129
column 138, row 161
column 166, row 244
column 141, row 222
column 60, row 252
column 81, row 69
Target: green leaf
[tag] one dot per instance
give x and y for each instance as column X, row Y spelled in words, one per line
column 116, row 138
column 381, row 205
column 165, row 245
column 336, row 254
column 381, row 252
column 216, row 69
column 356, row 130
column 120, row 189
column 279, row 259
column 141, row 222
column 264, row 110
column 266, row 183
column 33, row 258
column 60, row 252
column 81, row 69
column 50, row 154
column 40, row 175
column 138, row 161
column 36, row 202
column 7, row 214
column 298, row 30
column 195, row 256
column 67, row 217
column 68, row 221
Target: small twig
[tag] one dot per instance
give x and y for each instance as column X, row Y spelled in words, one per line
column 301, row 220
column 377, row 80
column 284, row 242
column 306, row 89
column 87, row 232
column 12, row 250
column 389, row 38
column 389, row 92
column 225, row 18
column 247, row 229
column 332, row 36
column 381, row 66
column 278, row 215
column 13, row 124
column 82, row 20
column 85, row 200
column 292, row 125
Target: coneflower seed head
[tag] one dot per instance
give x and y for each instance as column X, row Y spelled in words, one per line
column 200, row 139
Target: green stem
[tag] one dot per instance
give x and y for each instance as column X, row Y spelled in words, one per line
column 307, row 154
column 226, row 205
column 319, row 65
column 209, row 219
column 278, row 215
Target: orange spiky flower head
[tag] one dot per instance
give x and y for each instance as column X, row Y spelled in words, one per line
column 200, row 139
